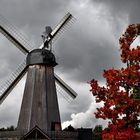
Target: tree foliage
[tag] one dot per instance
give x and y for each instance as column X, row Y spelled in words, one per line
column 121, row 95
column 97, row 132
column 10, row 128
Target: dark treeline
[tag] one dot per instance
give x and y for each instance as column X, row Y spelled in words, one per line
column 96, row 132
column 10, row 128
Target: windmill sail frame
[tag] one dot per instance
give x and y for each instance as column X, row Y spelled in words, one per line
column 9, row 31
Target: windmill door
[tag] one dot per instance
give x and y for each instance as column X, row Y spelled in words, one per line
column 36, row 134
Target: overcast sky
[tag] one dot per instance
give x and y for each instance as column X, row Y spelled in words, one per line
column 88, row 47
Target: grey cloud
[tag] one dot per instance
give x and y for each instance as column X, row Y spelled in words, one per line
column 34, row 14
column 75, row 50
column 120, row 7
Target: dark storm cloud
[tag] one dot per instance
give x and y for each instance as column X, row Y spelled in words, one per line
column 92, row 53
column 34, row 14
column 86, row 43
column 81, row 48
column 83, row 59
column 119, row 7
column 10, row 57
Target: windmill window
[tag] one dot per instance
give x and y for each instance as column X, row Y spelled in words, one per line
column 55, row 126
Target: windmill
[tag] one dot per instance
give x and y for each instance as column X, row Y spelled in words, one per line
column 39, row 105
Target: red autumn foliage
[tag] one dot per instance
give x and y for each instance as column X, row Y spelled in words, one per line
column 121, row 95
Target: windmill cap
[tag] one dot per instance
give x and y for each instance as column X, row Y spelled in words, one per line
column 41, row 57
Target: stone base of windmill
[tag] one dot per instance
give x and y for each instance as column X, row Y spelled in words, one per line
column 37, row 133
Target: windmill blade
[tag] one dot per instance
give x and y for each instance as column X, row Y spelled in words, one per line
column 13, row 35
column 12, row 81
column 66, row 21
column 13, row 40
column 67, row 88
column 63, row 93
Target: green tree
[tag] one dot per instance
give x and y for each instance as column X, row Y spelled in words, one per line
column 10, row 128
column 97, row 132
